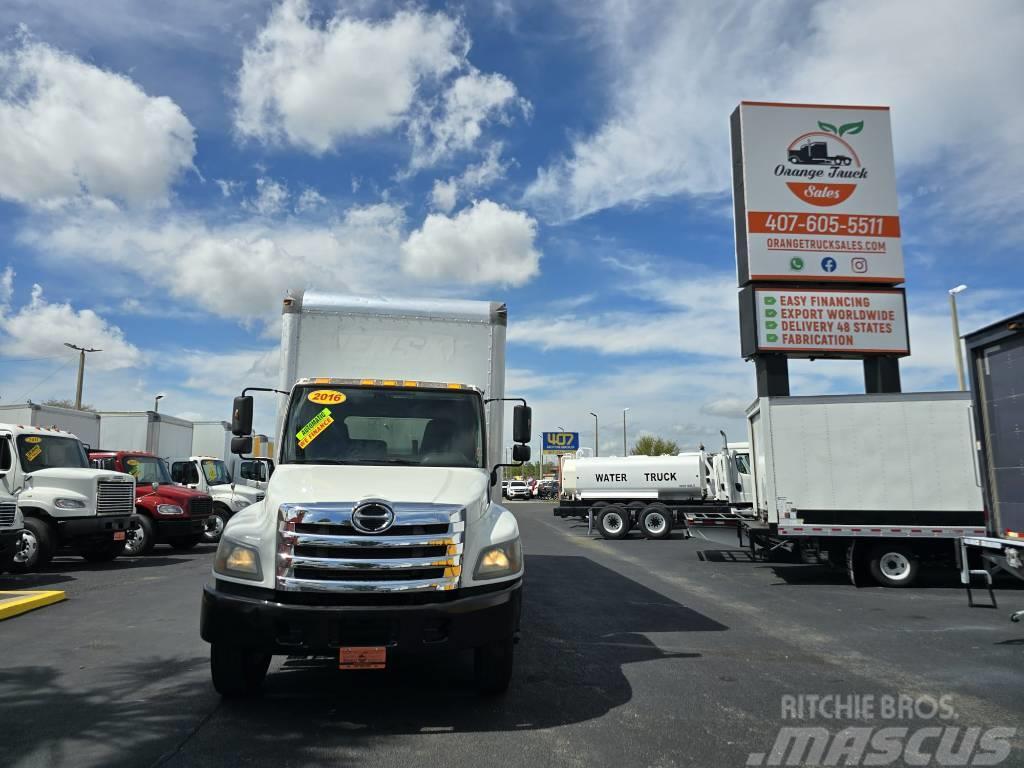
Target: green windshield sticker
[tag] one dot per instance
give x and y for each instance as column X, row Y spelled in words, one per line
column 316, row 425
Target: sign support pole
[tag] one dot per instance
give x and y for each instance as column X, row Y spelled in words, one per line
column 881, row 375
column 772, row 375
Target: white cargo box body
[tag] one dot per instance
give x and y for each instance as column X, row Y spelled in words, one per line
column 865, row 459
column 85, row 425
column 453, row 341
column 156, row 433
column 210, row 438
column 639, row 477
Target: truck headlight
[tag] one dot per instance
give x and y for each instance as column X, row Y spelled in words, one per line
column 68, row 504
column 238, row 560
column 500, row 560
column 169, row 509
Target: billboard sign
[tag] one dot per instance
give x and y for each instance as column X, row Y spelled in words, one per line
column 824, row 322
column 557, row 442
column 814, row 193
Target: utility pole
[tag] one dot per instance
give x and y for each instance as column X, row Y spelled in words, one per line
column 957, row 350
column 596, row 441
column 624, row 453
column 81, row 371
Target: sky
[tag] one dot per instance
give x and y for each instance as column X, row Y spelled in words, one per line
column 168, row 170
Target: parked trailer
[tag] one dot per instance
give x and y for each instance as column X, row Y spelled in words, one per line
column 84, row 424
column 876, row 482
column 148, row 431
column 657, row 493
column 996, row 357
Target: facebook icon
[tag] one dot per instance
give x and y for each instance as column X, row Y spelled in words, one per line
column 828, row 264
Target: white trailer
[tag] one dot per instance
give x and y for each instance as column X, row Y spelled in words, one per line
column 211, row 438
column 83, row 424
column 156, row 433
column 878, row 482
column 654, row 493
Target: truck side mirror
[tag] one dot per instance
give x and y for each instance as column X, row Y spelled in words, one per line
column 520, row 453
column 155, row 487
column 241, row 445
column 522, row 426
column 241, row 417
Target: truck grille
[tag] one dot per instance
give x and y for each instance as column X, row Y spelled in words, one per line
column 6, row 515
column 114, row 498
column 200, row 506
column 320, row 550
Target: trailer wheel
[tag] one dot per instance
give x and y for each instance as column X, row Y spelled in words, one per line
column 893, row 565
column 613, row 522
column 656, row 522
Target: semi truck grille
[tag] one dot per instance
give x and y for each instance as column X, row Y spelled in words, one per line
column 321, row 550
column 6, row 515
column 200, row 506
column 114, row 498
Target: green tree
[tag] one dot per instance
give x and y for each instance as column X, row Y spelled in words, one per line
column 651, row 445
column 68, row 404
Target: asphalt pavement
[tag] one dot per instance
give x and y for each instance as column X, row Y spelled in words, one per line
column 633, row 653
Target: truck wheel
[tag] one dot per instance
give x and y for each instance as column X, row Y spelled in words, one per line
column 893, row 565
column 492, row 667
column 237, row 672
column 140, row 538
column 184, row 543
column 656, row 522
column 105, row 553
column 613, row 522
column 35, row 549
column 215, row 525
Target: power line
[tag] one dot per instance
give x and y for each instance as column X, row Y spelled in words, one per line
column 53, row 373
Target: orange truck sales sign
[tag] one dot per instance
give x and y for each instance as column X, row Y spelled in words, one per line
column 814, row 192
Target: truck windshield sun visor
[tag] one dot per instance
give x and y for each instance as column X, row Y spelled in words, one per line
column 384, row 426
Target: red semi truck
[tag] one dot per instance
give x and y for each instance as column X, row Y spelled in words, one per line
column 165, row 513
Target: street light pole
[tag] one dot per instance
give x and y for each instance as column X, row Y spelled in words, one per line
column 81, row 371
column 624, row 430
column 596, row 441
column 956, row 335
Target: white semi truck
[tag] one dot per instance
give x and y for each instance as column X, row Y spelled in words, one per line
column 12, row 523
column 381, row 532
column 875, row 483
column 64, row 501
column 213, row 438
column 657, row 493
column 211, row 475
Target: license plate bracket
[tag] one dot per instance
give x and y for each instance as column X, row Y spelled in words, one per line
column 362, row 657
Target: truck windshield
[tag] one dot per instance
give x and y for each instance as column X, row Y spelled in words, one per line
column 216, row 472
column 50, row 451
column 147, row 470
column 384, row 425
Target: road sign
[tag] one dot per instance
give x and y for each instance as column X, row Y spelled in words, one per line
column 814, row 192
column 558, row 442
column 823, row 322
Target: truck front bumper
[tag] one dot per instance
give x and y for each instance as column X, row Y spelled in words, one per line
column 260, row 622
column 8, row 544
column 91, row 529
column 179, row 528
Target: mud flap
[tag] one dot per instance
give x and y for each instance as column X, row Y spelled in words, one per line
column 857, row 566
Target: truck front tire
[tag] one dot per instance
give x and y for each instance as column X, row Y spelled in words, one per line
column 237, row 672
column 35, row 550
column 492, row 667
column 140, row 537
column 215, row 524
column 893, row 565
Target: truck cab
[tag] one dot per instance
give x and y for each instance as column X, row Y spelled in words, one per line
column 11, row 526
column 64, row 501
column 210, row 475
column 255, row 472
column 166, row 513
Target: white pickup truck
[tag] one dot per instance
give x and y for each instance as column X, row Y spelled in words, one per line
column 64, row 501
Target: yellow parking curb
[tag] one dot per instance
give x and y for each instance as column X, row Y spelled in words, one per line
column 14, row 603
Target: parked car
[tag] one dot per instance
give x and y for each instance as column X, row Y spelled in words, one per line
column 533, row 486
column 504, row 488
column 547, row 489
column 518, row 489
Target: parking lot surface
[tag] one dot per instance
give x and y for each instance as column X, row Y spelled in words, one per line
column 633, row 652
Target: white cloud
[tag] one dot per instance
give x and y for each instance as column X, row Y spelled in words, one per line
column 70, row 130
column 486, row 243
column 315, row 86
column 309, row 200
column 6, row 287
column 676, row 71
column 271, row 197
column 228, row 188
column 444, row 195
column 40, row 329
column 729, row 407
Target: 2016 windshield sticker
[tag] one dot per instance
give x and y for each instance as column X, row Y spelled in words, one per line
column 132, row 462
column 33, row 440
column 316, row 425
column 326, row 397
column 32, row 453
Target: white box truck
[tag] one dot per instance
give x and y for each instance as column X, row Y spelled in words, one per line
column 149, row 431
column 84, row 424
column 657, row 493
column 381, row 533
column 878, row 482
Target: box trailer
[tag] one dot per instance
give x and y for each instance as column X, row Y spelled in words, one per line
column 881, row 482
column 85, row 425
column 211, row 438
column 995, row 356
column 156, row 433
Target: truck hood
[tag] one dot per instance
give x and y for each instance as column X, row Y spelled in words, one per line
column 431, row 485
column 175, row 494
column 57, row 476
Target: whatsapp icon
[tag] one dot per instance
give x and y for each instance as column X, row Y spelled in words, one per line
column 796, row 263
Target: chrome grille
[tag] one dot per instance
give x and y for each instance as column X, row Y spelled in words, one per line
column 7, row 515
column 319, row 550
column 200, row 506
column 114, row 498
